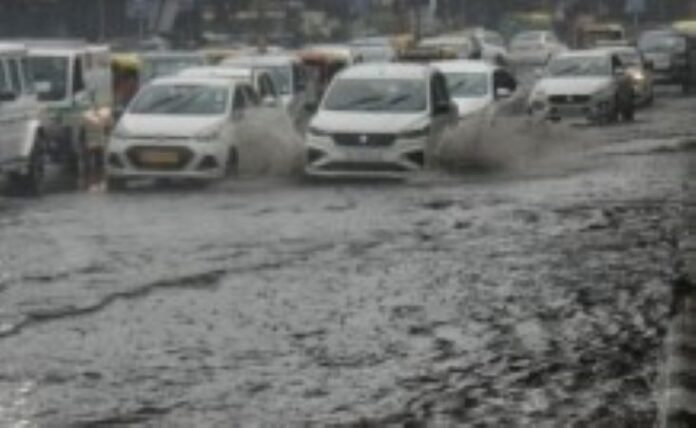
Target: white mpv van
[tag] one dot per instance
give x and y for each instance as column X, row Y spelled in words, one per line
column 22, row 142
column 378, row 120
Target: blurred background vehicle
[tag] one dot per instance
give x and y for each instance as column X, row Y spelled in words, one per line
column 535, row 47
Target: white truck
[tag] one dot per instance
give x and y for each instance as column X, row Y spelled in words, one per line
column 22, row 138
column 70, row 77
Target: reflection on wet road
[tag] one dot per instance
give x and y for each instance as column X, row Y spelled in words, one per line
column 528, row 297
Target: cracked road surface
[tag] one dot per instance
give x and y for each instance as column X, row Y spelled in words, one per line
column 530, row 296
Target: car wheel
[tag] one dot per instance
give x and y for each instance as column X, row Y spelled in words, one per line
column 32, row 182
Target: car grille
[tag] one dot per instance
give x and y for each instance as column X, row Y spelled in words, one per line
column 364, row 140
column 569, row 99
column 364, row 167
column 183, row 157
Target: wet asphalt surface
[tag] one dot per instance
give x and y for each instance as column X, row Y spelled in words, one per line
column 535, row 294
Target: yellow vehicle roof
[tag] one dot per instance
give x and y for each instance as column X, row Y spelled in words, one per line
column 126, row 61
column 685, row 25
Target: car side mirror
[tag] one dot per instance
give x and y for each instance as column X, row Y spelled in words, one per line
column 311, row 107
column 619, row 71
column 7, row 96
column 649, row 65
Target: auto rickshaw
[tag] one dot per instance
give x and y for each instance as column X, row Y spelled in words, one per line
column 125, row 71
column 322, row 63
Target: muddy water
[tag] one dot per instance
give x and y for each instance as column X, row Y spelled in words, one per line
column 527, row 296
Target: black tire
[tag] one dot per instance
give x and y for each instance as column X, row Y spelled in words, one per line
column 32, row 182
column 114, row 184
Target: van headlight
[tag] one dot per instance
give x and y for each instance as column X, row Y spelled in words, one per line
column 414, row 134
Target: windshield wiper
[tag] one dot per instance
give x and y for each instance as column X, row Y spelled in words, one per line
column 358, row 102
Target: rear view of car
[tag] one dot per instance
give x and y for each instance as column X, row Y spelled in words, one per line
column 668, row 52
column 378, row 121
column 534, row 47
column 175, row 128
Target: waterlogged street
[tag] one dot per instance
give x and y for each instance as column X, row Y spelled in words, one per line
column 531, row 288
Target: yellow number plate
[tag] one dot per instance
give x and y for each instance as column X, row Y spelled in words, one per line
column 158, row 157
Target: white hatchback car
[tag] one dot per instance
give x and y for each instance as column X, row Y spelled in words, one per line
column 179, row 128
column 475, row 86
column 378, row 120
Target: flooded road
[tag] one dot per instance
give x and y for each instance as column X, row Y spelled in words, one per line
column 531, row 295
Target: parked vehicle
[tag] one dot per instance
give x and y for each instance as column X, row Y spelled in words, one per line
column 535, row 47
column 475, row 86
column 179, row 128
column 168, row 63
column 639, row 71
column 378, row 121
column 22, row 137
column 70, row 78
column 261, row 80
column 673, row 56
column 590, row 84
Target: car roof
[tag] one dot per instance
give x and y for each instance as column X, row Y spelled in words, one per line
column 218, row 71
column 261, row 60
column 6, row 48
column 584, row 53
column 170, row 54
column 386, row 71
column 464, row 65
column 193, row 80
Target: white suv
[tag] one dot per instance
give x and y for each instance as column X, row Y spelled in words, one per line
column 378, row 120
column 22, row 142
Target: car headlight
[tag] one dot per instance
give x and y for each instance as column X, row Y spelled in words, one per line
column 637, row 75
column 209, row 135
column 416, row 133
column 316, row 132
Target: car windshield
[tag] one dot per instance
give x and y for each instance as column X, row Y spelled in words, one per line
column 651, row 42
column 527, row 38
column 50, row 77
column 580, row 67
column 377, row 95
column 467, row 85
column 161, row 67
column 181, row 99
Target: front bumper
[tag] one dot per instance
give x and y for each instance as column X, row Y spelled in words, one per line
column 325, row 158
column 185, row 159
column 590, row 109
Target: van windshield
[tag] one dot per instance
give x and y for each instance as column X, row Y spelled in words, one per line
column 377, row 95
column 50, row 77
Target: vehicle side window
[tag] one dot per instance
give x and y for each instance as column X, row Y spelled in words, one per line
column 440, row 93
column 4, row 80
column 238, row 103
column 15, row 76
column 504, row 80
column 266, row 87
column 78, row 76
column 28, row 75
column 251, row 97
